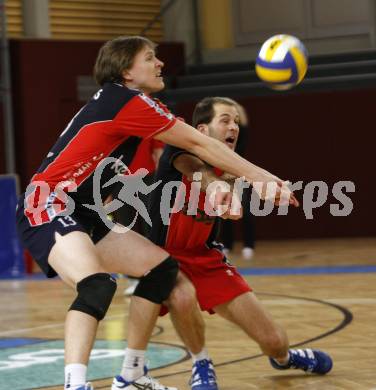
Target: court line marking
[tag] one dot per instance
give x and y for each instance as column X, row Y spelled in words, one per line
column 347, row 319
column 59, row 325
column 312, row 270
column 246, row 272
column 289, row 301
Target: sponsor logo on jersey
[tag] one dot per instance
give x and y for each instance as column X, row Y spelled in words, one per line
column 156, row 107
column 200, row 217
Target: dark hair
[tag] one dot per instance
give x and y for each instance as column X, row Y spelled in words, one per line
column 204, row 110
column 118, row 55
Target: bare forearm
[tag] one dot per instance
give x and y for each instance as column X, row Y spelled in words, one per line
column 189, row 165
column 208, row 176
column 220, row 156
column 214, row 153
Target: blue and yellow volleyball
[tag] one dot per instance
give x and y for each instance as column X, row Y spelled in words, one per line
column 282, row 62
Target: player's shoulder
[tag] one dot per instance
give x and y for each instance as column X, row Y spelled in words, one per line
column 111, row 98
column 170, row 153
column 166, row 170
column 118, row 92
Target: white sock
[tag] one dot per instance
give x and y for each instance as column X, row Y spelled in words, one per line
column 203, row 354
column 284, row 361
column 133, row 364
column 75, row 376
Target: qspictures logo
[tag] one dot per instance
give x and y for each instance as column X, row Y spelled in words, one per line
column 42, row 203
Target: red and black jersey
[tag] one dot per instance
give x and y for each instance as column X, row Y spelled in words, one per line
column 178, row 231
column 111, row 124
column 144, row 156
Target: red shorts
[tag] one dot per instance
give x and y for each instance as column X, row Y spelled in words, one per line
column 216, row 281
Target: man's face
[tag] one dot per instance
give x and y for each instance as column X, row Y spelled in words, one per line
column 225, row 124
column 145, row 73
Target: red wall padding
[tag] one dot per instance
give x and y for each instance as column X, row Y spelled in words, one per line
column 44, row 75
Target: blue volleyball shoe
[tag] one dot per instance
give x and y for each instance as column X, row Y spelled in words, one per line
column 203, row 376
column 88, row 386
column 145, row 382
column 308, row 360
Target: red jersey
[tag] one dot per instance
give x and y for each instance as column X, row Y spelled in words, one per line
column 144, row 155
column 181, row 233
column 111, row 124
column 190, row 238
column 189, row 234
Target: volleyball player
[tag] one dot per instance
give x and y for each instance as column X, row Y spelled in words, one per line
column 217, row 285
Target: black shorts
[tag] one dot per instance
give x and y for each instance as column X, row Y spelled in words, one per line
column 39, row 240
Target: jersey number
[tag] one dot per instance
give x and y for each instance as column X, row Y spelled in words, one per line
column 67, row 221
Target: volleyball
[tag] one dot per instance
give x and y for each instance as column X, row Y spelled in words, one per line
column 282, row 62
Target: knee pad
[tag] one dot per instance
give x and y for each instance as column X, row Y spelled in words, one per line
column 157, row 285
column 95, row 294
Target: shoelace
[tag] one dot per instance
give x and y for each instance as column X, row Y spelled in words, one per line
column 155, row 384
column 305, row 363
column 205, row 373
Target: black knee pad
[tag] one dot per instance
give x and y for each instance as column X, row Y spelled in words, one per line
column 157, row 285
column 95, row 294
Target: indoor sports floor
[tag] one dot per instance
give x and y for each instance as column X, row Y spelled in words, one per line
column 322, row 291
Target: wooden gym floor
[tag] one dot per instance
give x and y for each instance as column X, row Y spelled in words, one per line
column 322, row 291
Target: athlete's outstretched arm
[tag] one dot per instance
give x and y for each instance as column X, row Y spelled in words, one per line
column 219, row 155
column 189, row 164
column 213, row 152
